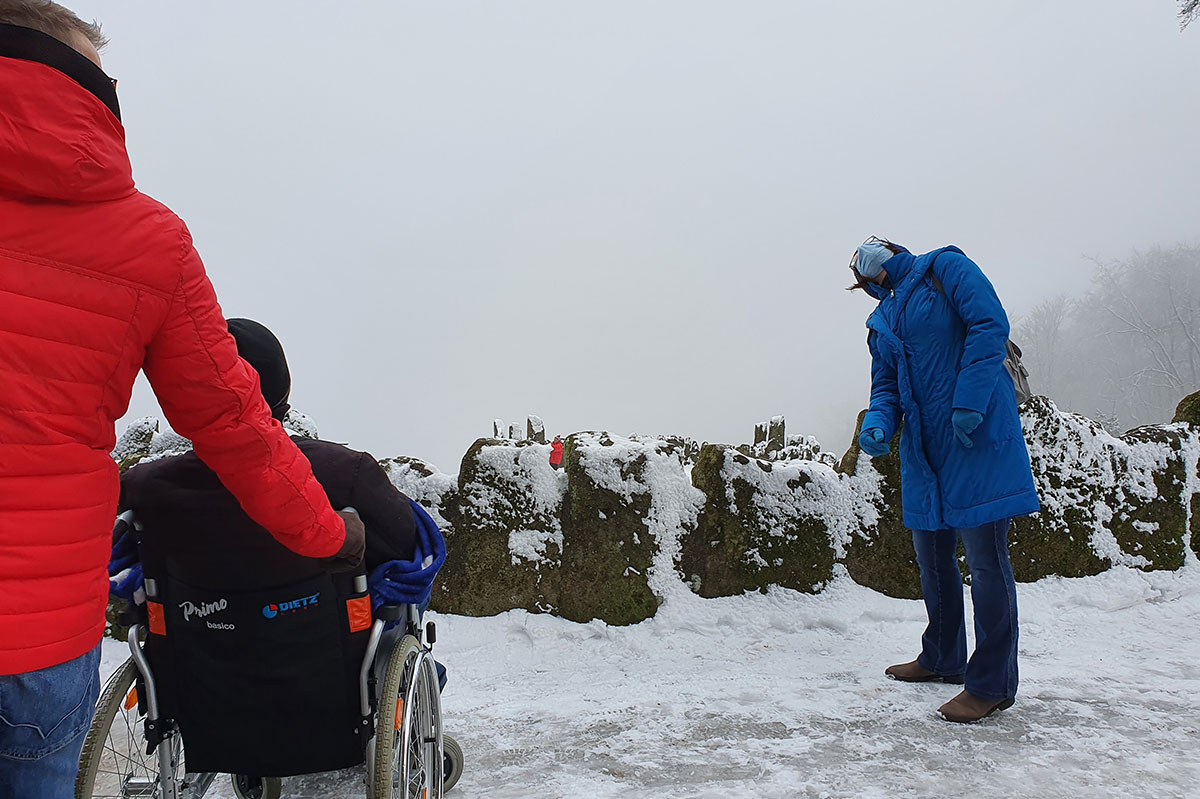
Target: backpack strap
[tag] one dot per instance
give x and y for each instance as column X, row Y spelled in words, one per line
column 1012, row 353
column 933, row 278
column 937, row 283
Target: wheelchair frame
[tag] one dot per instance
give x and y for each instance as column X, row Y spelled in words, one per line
column 420, row 704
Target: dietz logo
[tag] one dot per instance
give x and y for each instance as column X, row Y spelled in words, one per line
column 273, row 610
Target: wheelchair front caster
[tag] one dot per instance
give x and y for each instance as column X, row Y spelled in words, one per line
column 256, row 787
column 452, row 762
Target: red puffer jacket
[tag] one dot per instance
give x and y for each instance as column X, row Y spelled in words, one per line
column 98, row 281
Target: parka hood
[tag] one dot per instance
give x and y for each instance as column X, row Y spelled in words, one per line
column 58, row 139
column 897, row 268
column 877, row 291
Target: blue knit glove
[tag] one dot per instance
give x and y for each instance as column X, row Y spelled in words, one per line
column 871, row 441
column 965, row 423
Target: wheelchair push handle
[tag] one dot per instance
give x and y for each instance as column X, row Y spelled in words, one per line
column 123, row 524
column 126, row 521
column 350, row 556
column 360, row 580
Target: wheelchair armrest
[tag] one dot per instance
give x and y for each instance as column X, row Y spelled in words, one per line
column 390, row 612
column 131, row 614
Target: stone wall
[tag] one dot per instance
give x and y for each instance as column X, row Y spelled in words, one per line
column 750, row 523
column 505, row 544
column 1105, row 500
column 880, row 555
column 628, row 521
column 766, row 523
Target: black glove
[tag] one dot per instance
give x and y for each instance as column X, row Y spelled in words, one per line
column 350, row 555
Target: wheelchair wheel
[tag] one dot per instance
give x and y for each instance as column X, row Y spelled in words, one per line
column 256, row 787
column 114, row 763
column 452, row 763
column 408, row 736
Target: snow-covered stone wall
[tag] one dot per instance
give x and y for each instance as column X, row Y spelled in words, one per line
column 1105, row 500
column 639, row 518
column 505, row 545
column 628, row 522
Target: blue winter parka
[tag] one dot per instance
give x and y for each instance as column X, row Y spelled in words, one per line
column 933, row 351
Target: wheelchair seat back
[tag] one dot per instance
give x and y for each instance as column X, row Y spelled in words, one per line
column 256, row 652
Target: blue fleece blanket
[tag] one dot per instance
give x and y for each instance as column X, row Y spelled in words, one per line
column 410, row 582
column 124, row 569
column 398, row 582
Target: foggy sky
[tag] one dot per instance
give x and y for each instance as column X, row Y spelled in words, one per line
column 636, row 216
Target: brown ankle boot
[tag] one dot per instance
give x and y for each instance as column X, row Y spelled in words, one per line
column 915, row 672
column 967, row 708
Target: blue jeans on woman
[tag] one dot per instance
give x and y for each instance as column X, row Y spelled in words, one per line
column 44, row 716
column 991, row 673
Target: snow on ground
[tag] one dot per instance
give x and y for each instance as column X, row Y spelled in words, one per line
column 783, row 695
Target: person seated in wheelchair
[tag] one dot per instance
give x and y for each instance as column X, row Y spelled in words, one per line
column 266, row 645
column 199, row 522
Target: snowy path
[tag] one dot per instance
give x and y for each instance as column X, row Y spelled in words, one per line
column 783, row 695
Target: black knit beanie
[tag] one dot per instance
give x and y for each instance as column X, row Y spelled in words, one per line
column 258, row 347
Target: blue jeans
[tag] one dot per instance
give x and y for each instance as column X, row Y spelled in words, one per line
column 44, row 716
column 991, row 673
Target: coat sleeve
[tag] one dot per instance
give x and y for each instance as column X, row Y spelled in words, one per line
column 384, row 509
column 975, row 300
column 212, row 397
column 885, row 411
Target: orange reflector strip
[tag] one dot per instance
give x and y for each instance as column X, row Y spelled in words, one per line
column 358, row 611
column 131, row 700
column 399, row 713
column 156, row 617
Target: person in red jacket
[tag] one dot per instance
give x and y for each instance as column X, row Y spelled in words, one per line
column 556, row 452
column 98, row 281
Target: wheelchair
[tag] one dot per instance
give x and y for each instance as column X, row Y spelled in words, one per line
column 263, row 682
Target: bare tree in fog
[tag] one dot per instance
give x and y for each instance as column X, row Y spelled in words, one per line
column 1188, row 11
column 1130, row 349
column 1042, row 336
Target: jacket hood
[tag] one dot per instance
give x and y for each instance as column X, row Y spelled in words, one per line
column 58, row 139
column 898, row 268
column 877, row 291
column 904, row 271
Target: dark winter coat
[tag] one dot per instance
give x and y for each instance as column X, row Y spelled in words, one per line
column 98, row 281
column 933, row 352
column 198, row 522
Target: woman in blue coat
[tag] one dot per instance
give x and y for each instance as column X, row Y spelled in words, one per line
column 938, row 343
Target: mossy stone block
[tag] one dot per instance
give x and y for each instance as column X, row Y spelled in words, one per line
column 1196, row 524
column 756, row 540
column 883, row 558
column 114, row 627
column 1188, row 410
column 1154, row 528
column 1039, row 547
column 436, row 492
column 607, row 547
column 134, row 443
column 481, row 576
column 1057, row 540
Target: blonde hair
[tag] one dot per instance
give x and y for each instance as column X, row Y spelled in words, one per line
column 52, row 19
